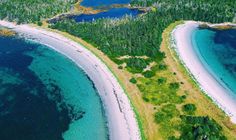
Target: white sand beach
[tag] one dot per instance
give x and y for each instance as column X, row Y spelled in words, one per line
column 182, row 43
column 121, row 118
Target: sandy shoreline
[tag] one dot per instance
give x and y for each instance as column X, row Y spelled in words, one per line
column 182, row 44
column 121, row 118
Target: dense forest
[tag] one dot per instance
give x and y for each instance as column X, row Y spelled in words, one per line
column 134, row 44
column 32, row 11
column 142, row 36
column 196, row 7
column 140, row 39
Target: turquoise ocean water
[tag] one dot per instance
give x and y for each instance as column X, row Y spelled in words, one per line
column 45, row 96
column 217, row 50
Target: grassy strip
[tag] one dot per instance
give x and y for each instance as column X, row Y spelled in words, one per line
column 216, row 113
column 176, row 57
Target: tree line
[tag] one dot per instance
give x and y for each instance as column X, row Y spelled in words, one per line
column 32, row 11
column 142, row 36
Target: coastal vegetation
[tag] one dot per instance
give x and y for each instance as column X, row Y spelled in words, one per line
column 189, row 108
column 175, row 113
column 33, row 11
column 198, row 127
column 6, row 32
column 174, row 108
column 214, row 11
column 142, row 36
column 195, row 103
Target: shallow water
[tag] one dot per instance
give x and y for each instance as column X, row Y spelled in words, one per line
column 95, row 3
column 45, row 96
column 217, row 49
column 112, row 13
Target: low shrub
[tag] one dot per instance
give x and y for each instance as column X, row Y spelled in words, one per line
column 189, row 108
column 133, row 80
column 148, row 74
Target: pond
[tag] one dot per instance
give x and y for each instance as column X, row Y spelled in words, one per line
column 112, row 13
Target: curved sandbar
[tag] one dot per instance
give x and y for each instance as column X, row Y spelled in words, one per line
column 122, row 123
column 182, row 43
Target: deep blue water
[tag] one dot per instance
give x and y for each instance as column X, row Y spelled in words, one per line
column 112, row 13
column 217, row 48
column 45, row 96
column 95, row 3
